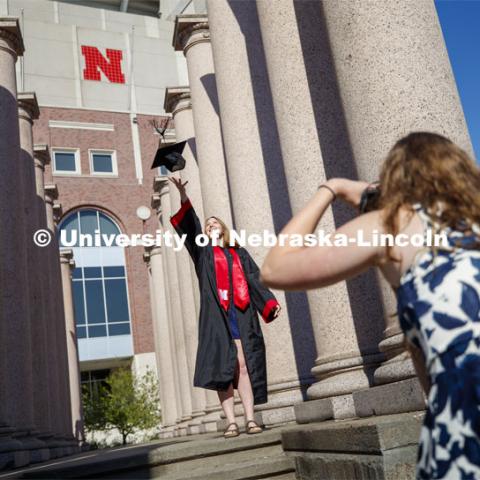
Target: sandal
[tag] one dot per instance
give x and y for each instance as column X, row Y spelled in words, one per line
column 231, row 432
column 253, row 429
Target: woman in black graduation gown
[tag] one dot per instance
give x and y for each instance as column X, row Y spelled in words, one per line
column 231, row 349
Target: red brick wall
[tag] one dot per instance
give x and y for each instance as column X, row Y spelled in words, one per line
column 118, row 197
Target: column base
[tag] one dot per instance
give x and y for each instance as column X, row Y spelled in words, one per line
column 209, row 422
column 181, row 429
column 332, row 408
column 167, row 432
column 395, row 369
column 404, row 396
column 195, row 426
column 344, row 376
column 38, row 450
column 12, row 451
column 281, row 400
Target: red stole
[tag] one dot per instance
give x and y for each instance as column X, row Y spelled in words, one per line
column 241, row 297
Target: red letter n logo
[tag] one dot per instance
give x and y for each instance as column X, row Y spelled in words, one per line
column 95, row 61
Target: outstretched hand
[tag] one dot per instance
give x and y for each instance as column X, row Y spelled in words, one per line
column 180, row 186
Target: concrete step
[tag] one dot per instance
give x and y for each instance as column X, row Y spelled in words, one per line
column 274, row 466
column 181, row 459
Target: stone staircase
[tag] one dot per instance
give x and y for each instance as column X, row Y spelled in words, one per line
column 377, row 447
column 195, row 457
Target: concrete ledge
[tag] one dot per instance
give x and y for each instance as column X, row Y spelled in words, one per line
column 340, row 407
column 404, row 396
column 376, row 447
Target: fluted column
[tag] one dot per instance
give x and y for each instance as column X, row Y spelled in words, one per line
column 394, row 76
column 175, row 300
column 63, row 414
column 27, row 112
column 189, row 317
column 15, row 370
column 67, row 264
column 45, row 365
column 164, row 349
column 178, row 103
column 16, row 380
column 192, row 36
column 244, row 149
column 346, row 345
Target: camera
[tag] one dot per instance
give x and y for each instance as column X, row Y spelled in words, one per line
column 370, row 199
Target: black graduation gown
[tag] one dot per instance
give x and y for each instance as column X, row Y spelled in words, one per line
column 216, row 357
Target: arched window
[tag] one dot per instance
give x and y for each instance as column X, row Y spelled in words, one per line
column 99, row 280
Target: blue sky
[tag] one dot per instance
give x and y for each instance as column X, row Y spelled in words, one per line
column 460, row 21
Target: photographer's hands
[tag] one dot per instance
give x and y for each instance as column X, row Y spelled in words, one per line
column 350, row 191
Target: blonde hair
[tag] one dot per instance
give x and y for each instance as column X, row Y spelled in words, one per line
column 225, row 230
column 428, row 168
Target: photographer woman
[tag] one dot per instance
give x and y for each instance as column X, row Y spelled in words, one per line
column 231, row 349
column 427, row 185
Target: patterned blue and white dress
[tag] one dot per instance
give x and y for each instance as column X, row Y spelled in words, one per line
column 439, row 311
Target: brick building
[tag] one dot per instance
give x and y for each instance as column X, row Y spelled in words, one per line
column 99, row 70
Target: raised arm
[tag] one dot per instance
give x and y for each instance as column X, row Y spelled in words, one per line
column 185, row 221
column 302, row 268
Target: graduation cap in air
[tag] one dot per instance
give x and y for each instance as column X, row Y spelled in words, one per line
column 169, row 156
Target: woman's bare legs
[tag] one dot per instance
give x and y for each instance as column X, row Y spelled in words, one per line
column 227, row 401
column 244, row 386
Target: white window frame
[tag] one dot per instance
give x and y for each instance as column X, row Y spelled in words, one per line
column 113, row 153
column 64, row 173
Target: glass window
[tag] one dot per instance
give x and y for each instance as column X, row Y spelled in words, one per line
column 92, row 272
column 77, row 273
column 95, row 305
column 88, row 222
column 102, row 163
column 97, row 331
column 117, row 305
column 92, row 380
column 70, row 231
column 119, row 329
column 65, row 162
column 100, row 292
column 113, row 271
column 81, row 332
column 78, row 302
column 107, row 227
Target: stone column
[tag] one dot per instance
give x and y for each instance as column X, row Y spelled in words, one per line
column 164, row 349
column 189, row 320
column 245, row 147
column 15, row 344
column 44, row 363
column 346, row 359
column 174, row 299
column 178, row 103
column 394, row 76
column 27, row 112
column 34, row 356
column 192, row 36
column 15, row 370
column 57, row 318
column 67, row 264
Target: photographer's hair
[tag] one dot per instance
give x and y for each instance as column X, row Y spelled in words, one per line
column 225, row 230
column 427, row 168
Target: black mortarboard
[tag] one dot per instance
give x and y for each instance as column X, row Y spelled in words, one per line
column 170, row 156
